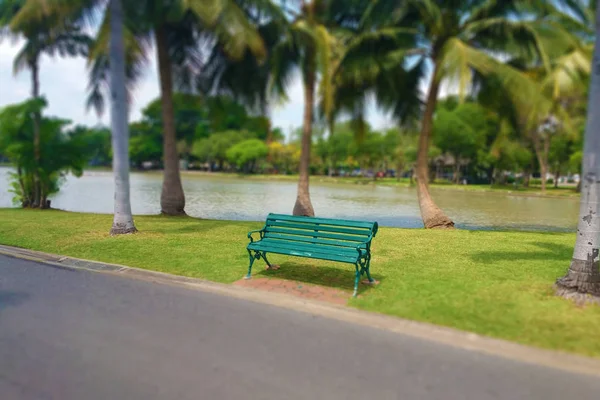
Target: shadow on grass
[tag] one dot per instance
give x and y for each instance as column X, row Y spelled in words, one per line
column 186, row 224
column 338, row 278
column 548, row 251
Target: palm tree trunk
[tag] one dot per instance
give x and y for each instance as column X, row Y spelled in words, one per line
column 35, row 93
column 269, row 139
column 583, row 276
column 123, row 219
column 542, row 147
column 432, row 215
column 172, row 198
column 26, row 200
column 303, row 204
column 456, row 170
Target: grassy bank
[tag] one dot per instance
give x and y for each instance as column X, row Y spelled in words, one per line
column 492, row 283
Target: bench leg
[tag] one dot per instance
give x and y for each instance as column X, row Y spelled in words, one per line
column 252, row 258
column 356, row 279
column 368, row 270
column 264, row 256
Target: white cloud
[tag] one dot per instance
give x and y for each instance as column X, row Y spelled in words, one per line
column 64, row 83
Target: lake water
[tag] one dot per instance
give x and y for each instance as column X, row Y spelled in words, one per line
column 239, row 199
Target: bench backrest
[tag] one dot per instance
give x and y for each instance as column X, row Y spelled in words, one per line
column 326, row 231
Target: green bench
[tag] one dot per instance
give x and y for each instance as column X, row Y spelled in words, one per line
column 319, row 238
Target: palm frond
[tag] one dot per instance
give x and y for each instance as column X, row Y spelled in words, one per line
column 431, row 14
column 568, row 73
column 34, row 11
column 230, row 24
column 458, row 60
column 285, row 62
column 492, row 9
column 137, row 50
column 325, row 42
column 23, row 58
column 532, row 39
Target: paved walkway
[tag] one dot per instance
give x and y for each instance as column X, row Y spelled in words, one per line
column 71, row 335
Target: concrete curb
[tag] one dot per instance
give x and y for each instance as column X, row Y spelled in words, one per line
column 452, row 337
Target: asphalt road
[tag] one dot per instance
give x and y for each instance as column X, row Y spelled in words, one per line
column 76, row 335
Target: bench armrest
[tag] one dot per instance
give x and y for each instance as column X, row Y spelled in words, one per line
column 255, row 231
column 365, row 242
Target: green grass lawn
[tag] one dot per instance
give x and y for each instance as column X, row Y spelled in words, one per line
column 493, row 283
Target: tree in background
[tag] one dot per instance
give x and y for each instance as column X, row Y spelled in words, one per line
column 460, row 132
column 189, row 112
column 175, row 26
column 97, row 142
column 196, row 119
column 249, row 80
column 60, row 152
column 452, row 39
column 246, row 154
column 284, row 158
column 213, row 149
column 50, row 35
column 559, row 156
column 145, row 143
column 35, row 11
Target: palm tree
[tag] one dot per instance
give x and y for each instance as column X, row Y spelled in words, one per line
column 449, row 40
column 34, row 12
column 176, row 26
column 123, row 219
column 583, row 276
column 563, row 80
column 47, row 36
column 307, row 46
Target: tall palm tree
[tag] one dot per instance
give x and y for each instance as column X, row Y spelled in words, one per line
column 449, row 40
column 306, row 46
column 34, row 11
column 47, row 36
column 583, row 276
column 123, row 219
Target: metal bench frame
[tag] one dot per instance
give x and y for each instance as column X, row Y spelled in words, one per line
column 332, row 240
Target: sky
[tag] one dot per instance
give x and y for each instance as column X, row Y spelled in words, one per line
column 63, row 82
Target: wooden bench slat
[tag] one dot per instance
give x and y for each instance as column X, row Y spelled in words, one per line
column 327, row 221
column 309, row 254
column 345, row 251
column 317, row 227
column 311, row 240
column 299, row 232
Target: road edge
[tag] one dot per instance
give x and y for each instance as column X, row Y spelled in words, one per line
column 425, row 331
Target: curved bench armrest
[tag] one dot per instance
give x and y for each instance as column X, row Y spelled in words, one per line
column 366, row 242
column 261, row 231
